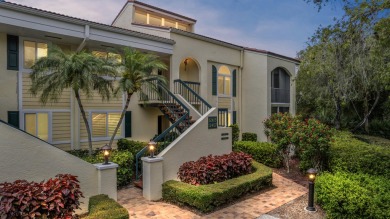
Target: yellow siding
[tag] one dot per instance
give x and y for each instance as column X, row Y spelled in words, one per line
column 97, row 144
column 61, row 126
column 95, row 102
column 83, row 130
column 64, row 147
column 31, row 102
column 225, row 102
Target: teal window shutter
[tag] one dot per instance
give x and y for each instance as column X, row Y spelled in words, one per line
column 12, row 52
column 13, row 118
column 128, row 124
column 234, row 82
column 234, row 117
column 214, row 80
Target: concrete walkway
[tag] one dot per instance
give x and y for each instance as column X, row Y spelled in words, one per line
column 253, row 207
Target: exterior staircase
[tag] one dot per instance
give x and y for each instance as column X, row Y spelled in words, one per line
column 175, row 111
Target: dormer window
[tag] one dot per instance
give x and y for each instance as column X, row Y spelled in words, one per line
column 154, row 19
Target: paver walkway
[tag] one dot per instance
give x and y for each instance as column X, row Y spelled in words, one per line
column 253, row 207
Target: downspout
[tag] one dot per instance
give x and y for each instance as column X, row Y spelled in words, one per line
column 241, row 88
column 86, row 38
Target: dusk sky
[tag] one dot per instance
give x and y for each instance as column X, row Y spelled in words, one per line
column 281, row 26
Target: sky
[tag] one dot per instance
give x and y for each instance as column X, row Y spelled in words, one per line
column 280, row 26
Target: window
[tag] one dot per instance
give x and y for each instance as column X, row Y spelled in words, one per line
column 224, row 117
column 37, row 124
column 114, row 57
column 32, row 52
column 280, row 109
column 104, row 124
column 224, row 81
column 280, row 82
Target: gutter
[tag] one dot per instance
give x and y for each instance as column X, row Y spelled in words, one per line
column 86, row 38
column 241, row 89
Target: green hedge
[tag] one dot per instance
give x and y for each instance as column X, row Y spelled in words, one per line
column 263, row 152
column 235, row 132
column 351, row 155
column 124, row 159
column 249, row 136
column 129, row 145
column 348, row 195
column 207, row 197
column 101, row 206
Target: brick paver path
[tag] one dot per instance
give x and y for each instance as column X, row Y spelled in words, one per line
column 253, row 207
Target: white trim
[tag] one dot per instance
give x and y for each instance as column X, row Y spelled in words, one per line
column 62, row 142
column 107, row 137
column 71, row 121
column 21, row 47
column 47, row 110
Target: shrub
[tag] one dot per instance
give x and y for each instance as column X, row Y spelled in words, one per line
column 313, row 144
column 351, row 155
column 207, row 197
column 213, row 169
column 101, row 206
column 248, row 136
column 263, row 152
column 235, row 133
column 124, row 159
column 346, row 195
column 282, row 129
column 128, row 145
column 55, row 198
column 380, row 128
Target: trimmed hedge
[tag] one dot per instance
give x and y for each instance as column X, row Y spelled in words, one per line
column 249, row 136
column 207, row 197
column 262, row 152
column 101, row 206
column 235, row 132
column 351, row 155
column 347, row 195
column 124, row 159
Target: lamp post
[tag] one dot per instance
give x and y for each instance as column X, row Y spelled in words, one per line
column 312, row 176
column 152, row 147
column 106, row 153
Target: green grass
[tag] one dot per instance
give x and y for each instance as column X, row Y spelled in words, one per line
column 374, row 140
column 206, row 198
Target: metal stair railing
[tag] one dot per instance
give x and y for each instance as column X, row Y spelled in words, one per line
column 191, row 96
column 175, row 130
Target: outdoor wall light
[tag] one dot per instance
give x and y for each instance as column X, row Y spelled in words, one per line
column 312, row 176
column 106, row 153
column 152, row 147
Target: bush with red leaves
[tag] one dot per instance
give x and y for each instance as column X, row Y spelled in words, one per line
column 211, row 169
column 55, row 198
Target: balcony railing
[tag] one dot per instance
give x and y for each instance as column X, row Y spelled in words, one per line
column 280, row 95
column 190, row 92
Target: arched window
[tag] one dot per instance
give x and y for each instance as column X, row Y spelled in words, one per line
column 224, row 81
column 280, row 90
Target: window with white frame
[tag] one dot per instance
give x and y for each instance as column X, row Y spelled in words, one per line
column 104, row 124
column 32, row 51
column 114, row 57
column 37, row 124
column 224, row 117
column 280, row 91
column 224, row 81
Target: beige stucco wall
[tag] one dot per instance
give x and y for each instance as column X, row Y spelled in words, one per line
column 203, row 53
column 25, row 157
column 8, row 82
column 194, row 143
column 256, row 90
column 254, row 93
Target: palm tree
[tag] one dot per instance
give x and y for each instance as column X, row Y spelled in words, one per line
column 80, row 71
column 136, row 72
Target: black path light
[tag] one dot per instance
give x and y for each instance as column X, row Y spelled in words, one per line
column 106, row 153
column 312, row 177
column 152, row 147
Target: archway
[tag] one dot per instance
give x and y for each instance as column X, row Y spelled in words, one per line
column 189, row 70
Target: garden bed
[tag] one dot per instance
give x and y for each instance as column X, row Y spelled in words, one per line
column 206, row 198
column 101, row 206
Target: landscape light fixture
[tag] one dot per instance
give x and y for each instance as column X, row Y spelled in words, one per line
column 152, row 147
column 106, row 153
column 312, row 177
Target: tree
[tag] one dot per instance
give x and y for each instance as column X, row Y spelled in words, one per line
column 136, row 72
column 79, row 71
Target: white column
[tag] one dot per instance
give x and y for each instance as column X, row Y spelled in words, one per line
column 107, row 179
column 152, row 177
